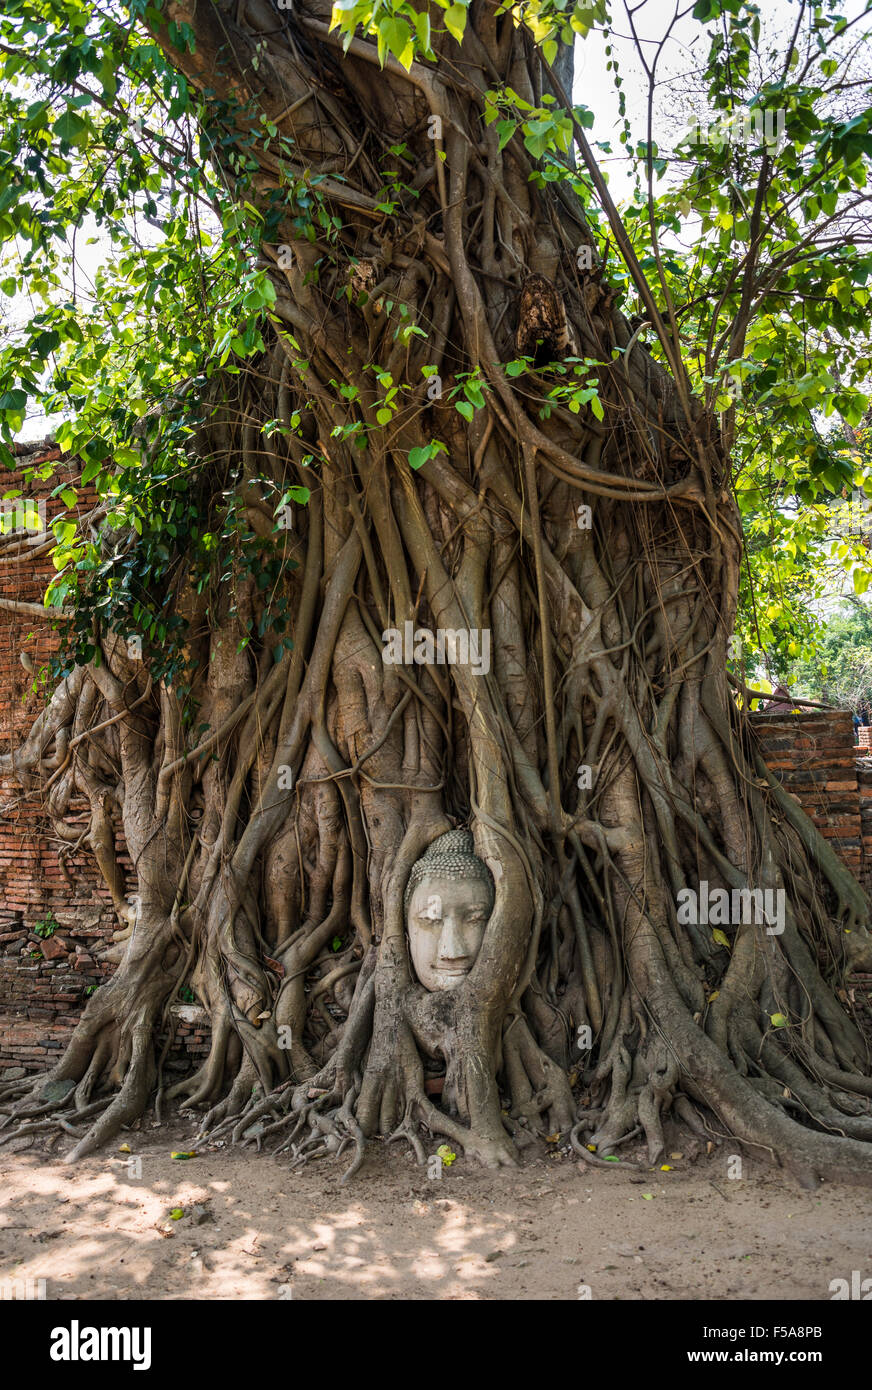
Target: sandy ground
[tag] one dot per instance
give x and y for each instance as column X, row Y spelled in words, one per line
column 251, row 1229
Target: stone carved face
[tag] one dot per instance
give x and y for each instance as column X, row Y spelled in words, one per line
column 449, row 899
column 446, row 922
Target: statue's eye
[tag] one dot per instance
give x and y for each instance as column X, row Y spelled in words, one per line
column 433, row 911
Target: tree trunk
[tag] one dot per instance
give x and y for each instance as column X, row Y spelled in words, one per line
column 597, row 757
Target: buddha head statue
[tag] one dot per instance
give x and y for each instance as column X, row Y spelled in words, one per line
column 448, row 900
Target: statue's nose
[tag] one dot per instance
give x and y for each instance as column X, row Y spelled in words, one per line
column 451, row 944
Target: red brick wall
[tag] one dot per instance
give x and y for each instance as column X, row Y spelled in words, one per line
column 812, row 755
column 31, row 880
column 864, row 786
column 43, row 984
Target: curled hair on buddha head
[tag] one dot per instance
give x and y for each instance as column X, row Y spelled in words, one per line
column 451, row 856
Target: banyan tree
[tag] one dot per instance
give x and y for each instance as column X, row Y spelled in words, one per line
column 429, row 859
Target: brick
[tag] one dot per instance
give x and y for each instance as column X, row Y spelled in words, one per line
column 54, row 947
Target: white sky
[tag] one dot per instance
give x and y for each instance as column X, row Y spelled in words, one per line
column 685, row 50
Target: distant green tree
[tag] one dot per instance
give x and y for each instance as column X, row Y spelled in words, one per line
column 841, row 673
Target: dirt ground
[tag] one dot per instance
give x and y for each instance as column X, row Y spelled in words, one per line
column 553, row 1229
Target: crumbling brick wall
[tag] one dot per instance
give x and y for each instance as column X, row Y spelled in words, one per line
column 44, row 982
column 812, row 755
column 864, row 787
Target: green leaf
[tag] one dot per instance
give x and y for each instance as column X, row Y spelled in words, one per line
column 72, row 129
column 455, row 21
column 90, row 471
column 505, row 131
column 422, row 26
column 396, row 35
